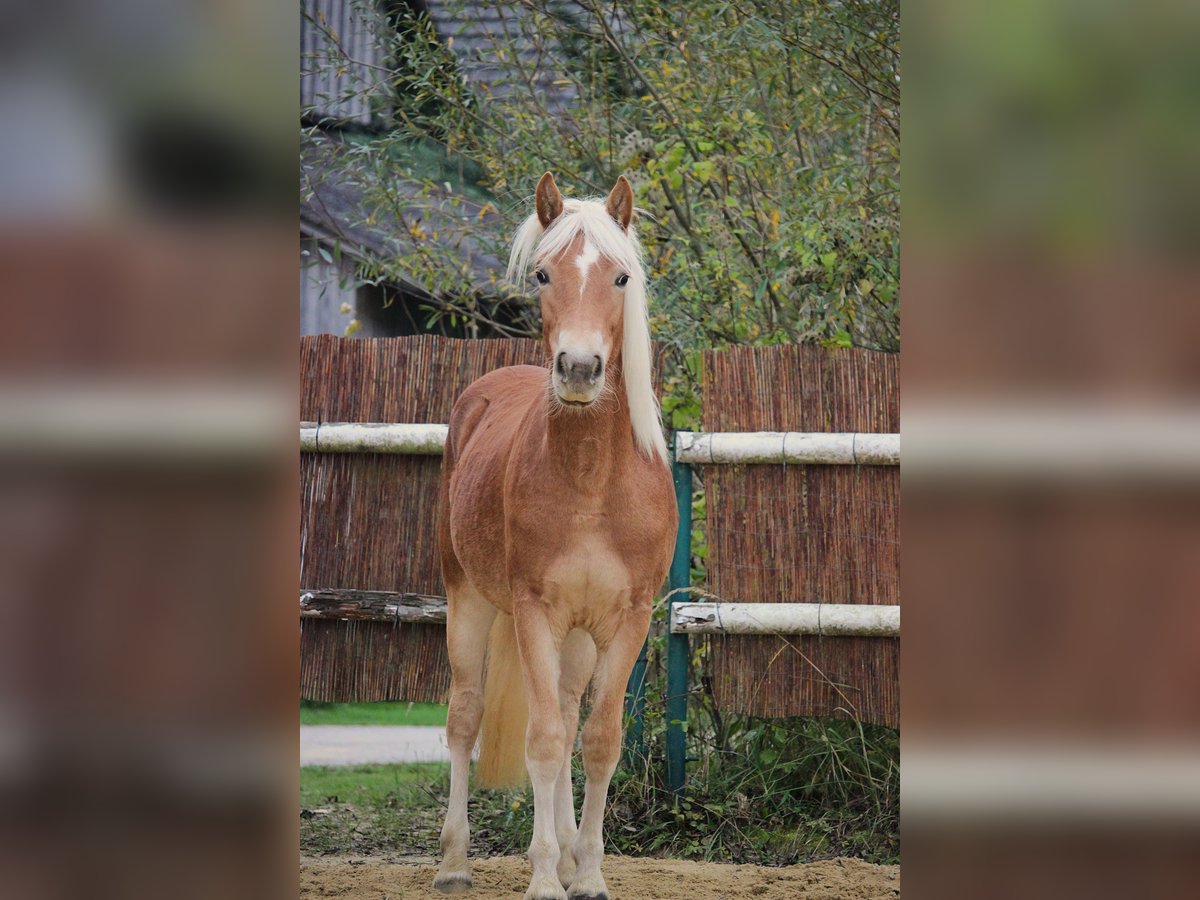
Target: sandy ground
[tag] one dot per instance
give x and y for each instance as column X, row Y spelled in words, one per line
column 353, row 745
column 628, row 879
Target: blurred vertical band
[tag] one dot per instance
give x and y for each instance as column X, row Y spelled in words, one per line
column 148, row 653
column 1051, row 723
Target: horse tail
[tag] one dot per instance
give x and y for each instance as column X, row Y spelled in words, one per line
column 505, row 711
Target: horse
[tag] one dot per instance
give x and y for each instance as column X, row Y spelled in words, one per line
column 557, row 527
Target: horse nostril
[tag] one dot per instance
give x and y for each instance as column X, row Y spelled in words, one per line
column 596, row 368
column 558, row 365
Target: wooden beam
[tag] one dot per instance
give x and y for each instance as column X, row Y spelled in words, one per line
column 372, row 606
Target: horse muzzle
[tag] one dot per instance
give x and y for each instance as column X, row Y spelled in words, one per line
column 578, row 377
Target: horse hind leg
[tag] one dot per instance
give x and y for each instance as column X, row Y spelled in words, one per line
column 578, row 662
column 468, row 623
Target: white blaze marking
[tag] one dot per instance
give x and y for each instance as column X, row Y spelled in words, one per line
column 588, row 255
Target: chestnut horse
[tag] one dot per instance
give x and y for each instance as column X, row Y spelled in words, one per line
column 558, row 525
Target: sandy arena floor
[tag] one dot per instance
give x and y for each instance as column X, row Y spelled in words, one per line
column 628, row 879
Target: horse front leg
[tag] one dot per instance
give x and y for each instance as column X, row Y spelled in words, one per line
column 467, row 626
column 602, row 747
column 578, row 662
column 545, row 741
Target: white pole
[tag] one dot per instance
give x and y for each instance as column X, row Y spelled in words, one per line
column 833, row 619
column 109, row 420
column 791, row 447
column 370, row 437
column 716, row 448
column 1054, row 443
column 1051, row 781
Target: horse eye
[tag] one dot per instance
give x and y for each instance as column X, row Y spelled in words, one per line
column 622, row 280
column 541, row 276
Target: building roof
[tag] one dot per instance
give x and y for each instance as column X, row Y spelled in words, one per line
column 494, row 51
column 495, row 54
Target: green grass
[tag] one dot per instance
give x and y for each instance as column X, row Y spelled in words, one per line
column 313, row 713
column 372, row 809
column 774, row 792
column 367, row 786
column 768, row 792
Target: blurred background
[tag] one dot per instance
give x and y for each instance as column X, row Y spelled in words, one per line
column 147, row 448
column 147, row 438
column 1051, row 483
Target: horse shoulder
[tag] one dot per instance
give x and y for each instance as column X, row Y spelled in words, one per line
column 654, row 486
column 649, row 517
column 498, row 394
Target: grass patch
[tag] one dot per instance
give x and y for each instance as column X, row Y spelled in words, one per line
column 768, row 792
column 372, row 809
column 314, row 713
column 774, row 793
column 367, row 786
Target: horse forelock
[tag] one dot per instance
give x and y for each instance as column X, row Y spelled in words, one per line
column 589, row 218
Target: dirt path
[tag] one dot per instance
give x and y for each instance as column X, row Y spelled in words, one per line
column 356, row 745
column 628, row 879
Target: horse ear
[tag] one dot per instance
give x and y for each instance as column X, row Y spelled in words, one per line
column 620, row 202
column 549, row 200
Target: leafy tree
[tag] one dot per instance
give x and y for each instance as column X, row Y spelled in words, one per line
column 762, row 139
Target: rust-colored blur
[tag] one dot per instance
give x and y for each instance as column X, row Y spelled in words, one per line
column 148, row 653
column 1051, row 417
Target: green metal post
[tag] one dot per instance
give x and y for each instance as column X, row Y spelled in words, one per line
column 678, row 646
column 635, row 709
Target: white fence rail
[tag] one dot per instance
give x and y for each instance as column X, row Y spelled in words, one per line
column 830, row 619
column 702, row 448
column 793, row 447
column 372, row 437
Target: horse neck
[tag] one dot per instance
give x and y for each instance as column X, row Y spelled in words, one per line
column 594, row 443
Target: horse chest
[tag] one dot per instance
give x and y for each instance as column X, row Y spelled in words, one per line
column 586, row 570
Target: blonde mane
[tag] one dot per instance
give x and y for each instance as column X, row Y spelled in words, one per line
column 589, row 218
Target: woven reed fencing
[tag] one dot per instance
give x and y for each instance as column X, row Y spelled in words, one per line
column 369, row 520
column 803, row 533
column 775, row 534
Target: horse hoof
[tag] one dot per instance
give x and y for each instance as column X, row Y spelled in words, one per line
column 589, row 892
column 541, row 896
column 454, row 883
